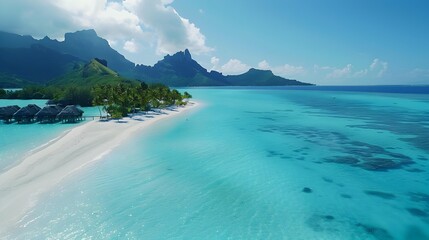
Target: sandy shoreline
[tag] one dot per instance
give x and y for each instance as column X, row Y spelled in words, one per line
column 21, row 185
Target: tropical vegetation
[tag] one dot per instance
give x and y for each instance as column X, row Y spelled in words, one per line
column 116, row 99
column 121, row 99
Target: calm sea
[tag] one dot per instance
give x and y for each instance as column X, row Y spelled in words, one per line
column 257, row 163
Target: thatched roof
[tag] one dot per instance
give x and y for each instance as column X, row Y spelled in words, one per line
column 8, row 111
column 29, row 111
column 70, row 111
column 49, row 111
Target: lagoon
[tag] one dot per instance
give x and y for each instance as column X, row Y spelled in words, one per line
column 256, row 163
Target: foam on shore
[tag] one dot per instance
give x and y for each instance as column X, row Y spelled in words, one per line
column 21, row 185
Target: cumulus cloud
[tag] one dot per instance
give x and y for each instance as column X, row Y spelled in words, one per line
column 173, row 32
column 341, row 72
column 264, row 65
column 122, row 23
column 215, row 63
column 378, row 66
column 285, row 70
column 288, row 70
column 131, row 46
column 234, row 66
column 36, row 18
column 376, row 69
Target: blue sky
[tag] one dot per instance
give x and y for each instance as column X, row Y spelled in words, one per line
column 331, row 42
column 329, row 34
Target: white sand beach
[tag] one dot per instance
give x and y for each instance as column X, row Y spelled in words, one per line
column 21, row 185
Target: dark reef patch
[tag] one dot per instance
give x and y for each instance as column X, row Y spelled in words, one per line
column 271, row 153
column 419, row 198
column 328, row 217
column 319, row 223
column 379, row 194
column 350, row 152
column 417, row 212
column 328, row 180
column 378, row 233
column 267, row 118
column 346, row 196
column 415, row 170
column 307, row 190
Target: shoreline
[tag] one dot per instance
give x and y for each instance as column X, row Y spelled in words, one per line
column 40, row 171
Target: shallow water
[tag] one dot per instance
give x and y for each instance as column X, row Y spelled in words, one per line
column 257, row 164
column 16, row 140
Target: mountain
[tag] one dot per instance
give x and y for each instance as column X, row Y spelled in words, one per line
column 88, row 45
column 25, row 60
column 179, row 70
column 11, row 40
column 11, row 81
column 36, row 64
column 85, row 44
column 90, row 74
column 255, row 77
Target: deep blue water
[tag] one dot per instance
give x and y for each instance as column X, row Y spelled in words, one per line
column 257, row 163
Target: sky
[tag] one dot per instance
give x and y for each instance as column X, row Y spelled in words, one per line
column 330, row 42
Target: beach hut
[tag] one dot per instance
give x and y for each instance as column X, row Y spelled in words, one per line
column 6, row 113
column 48, row 114
column 26, row 114
column 70, row 113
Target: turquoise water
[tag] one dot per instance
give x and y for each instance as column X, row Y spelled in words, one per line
column 256, row 164
column 16, row 140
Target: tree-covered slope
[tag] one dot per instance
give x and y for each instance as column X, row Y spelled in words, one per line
column 90, row 74
column 10, row 81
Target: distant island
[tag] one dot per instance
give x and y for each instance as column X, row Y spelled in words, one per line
column 26, row 61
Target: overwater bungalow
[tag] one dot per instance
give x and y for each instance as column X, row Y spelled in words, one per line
column 48, row 114
column 26, row 114
column 70, row 113
column 6, row 113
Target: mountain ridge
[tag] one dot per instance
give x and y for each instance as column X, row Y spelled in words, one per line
column 178, row 70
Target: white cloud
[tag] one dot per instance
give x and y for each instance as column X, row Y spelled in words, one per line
column 341, row 72
column 264, row 65
column 378, row 66
column 173, row 32
column 361, row 73
column 215, row 63
column 152, row 22
column 288, row 70
column 376, row 69
column 285, row 70
column 234, row 66
column 131, row 46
